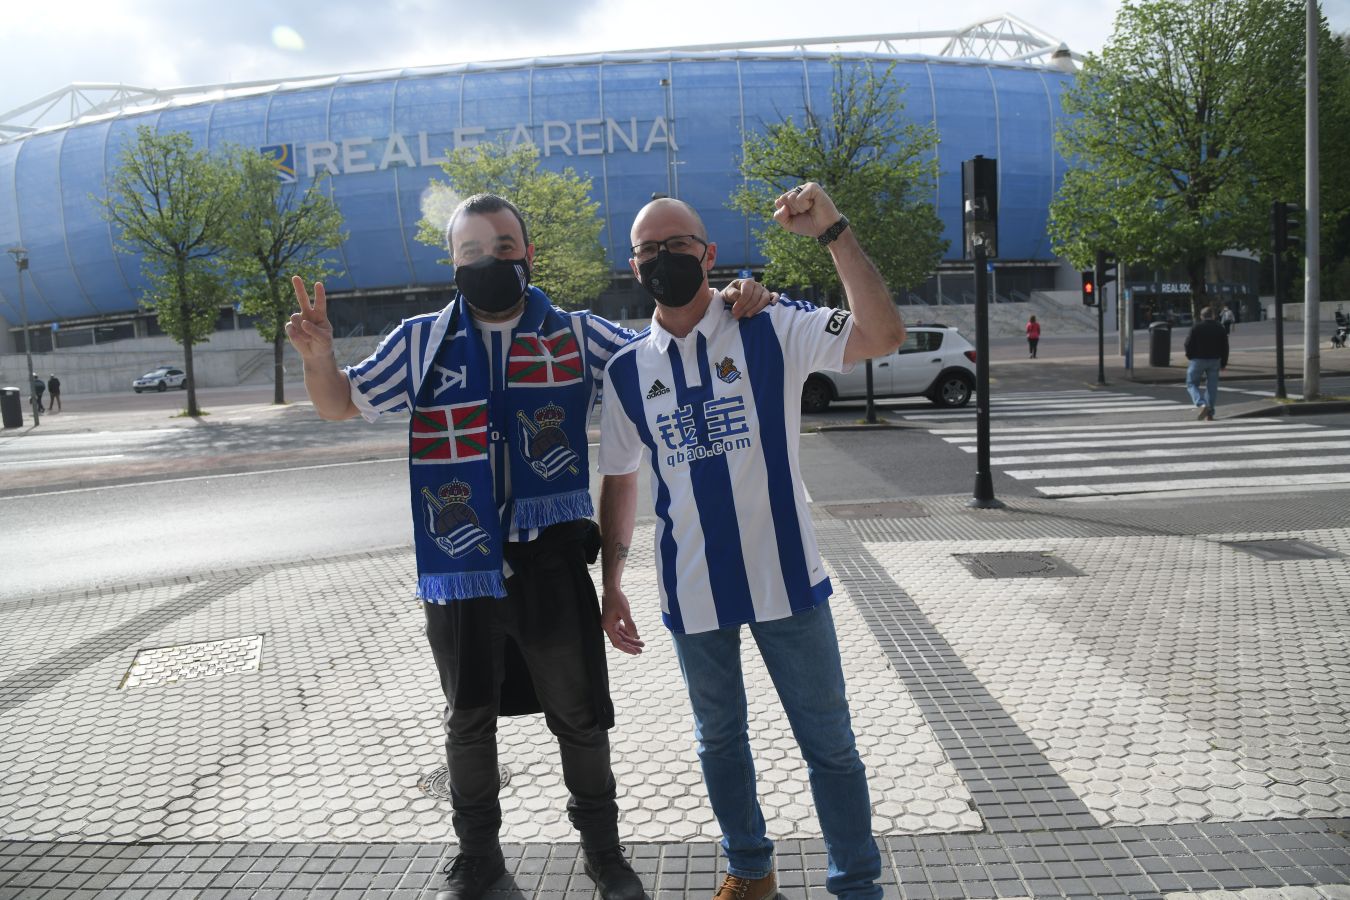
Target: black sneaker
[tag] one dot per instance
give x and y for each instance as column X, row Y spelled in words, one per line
column 613, row 875
column 468, row 877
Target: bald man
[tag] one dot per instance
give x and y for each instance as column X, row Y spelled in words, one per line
column 714, row 405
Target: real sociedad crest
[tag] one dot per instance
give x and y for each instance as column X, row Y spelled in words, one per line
column 544, row 444
column 727, row 371
column 452, row 523
column 283, row 157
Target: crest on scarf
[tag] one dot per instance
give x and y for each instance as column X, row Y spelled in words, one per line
column 451, row 522
column 544, row 444
column 544, row 360
column 727, row 371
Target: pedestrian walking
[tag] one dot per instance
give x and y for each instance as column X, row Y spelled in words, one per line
column 1207, row 350
column 714, row 406
column 1227, row 320
column 54, row 393
column 500, row 384
column 38, row 388
column 1033, row 335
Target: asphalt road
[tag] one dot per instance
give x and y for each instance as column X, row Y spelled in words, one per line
column 254, row 484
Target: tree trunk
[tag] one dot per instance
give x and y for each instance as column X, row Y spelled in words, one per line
column 185, row 315
column 278, row 347
column 1195, row 268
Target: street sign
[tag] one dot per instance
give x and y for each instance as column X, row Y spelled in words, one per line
column 745, row 273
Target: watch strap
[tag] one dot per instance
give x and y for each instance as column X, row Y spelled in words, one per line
column 833, row 231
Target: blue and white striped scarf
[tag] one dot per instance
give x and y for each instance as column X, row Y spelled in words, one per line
column 459, row 413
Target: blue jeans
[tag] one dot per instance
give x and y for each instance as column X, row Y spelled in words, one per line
column 801, row 653
column 1209, row 368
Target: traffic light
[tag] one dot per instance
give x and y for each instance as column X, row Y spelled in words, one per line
column 1106, row 268
column 1089, row 289
column 979, row 195
column 1287, row 220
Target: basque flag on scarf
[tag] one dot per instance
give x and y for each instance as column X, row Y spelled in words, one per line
column 455, row 433
column 544, row 360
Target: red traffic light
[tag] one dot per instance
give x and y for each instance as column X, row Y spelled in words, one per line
column 1089, row 289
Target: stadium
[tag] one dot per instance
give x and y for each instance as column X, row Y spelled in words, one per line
column 638, row 123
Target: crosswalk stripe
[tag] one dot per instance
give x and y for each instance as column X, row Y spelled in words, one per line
column 1256, row 432
column 1066, row 411
column 1190, row 465
column 1174, row 455
column 1135, row 442
column 1231, row 483
column 1159, row 454
column 1133, row 428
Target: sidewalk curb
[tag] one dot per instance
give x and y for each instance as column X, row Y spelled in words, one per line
column 1293, row 408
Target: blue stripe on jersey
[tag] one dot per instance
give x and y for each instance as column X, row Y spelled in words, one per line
column 602, row 339
column 764, row 365
column 392, row 399
column 711, row 480
column 625, row 388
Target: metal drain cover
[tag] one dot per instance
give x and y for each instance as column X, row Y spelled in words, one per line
column 169, row 665
column 1283, row 549
column 1026, row 564
column 436, row 783
column 896, row 509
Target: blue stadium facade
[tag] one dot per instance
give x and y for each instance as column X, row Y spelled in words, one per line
column 670, row 122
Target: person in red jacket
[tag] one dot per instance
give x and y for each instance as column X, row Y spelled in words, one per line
column 1033, row 335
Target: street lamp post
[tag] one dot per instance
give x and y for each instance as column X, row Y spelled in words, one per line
column 21, row 261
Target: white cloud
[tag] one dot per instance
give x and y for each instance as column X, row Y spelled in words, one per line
column 165, row 43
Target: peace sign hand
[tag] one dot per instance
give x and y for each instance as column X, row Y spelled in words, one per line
column 309, row 330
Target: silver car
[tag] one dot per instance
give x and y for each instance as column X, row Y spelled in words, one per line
column 935, row 361
column 161, row 379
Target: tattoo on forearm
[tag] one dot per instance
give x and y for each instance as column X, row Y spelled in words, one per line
column 620, row 551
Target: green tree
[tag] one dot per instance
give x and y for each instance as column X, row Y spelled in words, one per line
column 277, row 229
column 878, row 168
column 564, row 222
column 209, row 288
column 1184, row 130
column 169, row 203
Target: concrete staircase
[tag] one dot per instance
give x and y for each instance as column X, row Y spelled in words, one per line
column 1059, row 312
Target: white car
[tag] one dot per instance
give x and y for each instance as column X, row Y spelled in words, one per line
column 933, row 362
column 161, row 379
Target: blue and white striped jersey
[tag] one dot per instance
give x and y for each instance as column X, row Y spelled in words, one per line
column 388, row 380
column 718, row 414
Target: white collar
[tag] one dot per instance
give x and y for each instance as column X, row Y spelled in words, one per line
column 712, row 316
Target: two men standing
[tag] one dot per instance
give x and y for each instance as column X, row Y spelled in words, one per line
column 499, row 386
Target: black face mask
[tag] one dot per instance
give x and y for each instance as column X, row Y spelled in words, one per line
column 673, row 279
column 493, row 285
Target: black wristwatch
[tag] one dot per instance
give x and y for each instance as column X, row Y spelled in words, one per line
column 833, row 231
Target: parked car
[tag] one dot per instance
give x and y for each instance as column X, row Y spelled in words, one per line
column 161, row 379
column 935, row 361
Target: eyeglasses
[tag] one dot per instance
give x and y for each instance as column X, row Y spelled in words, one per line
column 680, row 243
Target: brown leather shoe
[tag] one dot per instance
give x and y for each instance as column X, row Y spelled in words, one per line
column 735, row 887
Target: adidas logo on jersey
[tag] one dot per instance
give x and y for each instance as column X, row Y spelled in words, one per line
column 657, row 390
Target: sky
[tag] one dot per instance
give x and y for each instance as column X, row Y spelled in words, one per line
column 170, row 43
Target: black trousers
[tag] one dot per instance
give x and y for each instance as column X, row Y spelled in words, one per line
column 545, row 617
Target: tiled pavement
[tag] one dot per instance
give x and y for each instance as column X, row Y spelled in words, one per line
column 1143, row 710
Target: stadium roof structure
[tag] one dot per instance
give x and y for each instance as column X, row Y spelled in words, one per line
column 1003, row 38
